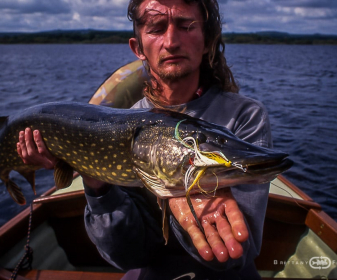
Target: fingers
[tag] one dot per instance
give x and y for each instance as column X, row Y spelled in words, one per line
column 33, row 151
column 29, row 141
column 218, row 247
column 21, row 147
column 200, row 243
column 225, row 230
column 235, row 218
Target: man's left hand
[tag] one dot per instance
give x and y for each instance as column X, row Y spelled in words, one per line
column 222, row 220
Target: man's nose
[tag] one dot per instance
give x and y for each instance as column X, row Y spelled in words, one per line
column 171, row 37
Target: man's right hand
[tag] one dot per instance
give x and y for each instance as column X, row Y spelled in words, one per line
column 33, row 151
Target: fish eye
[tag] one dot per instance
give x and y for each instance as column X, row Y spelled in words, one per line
column 221, row 141
column 199, row 137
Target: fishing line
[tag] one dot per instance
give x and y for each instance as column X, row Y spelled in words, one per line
column 294, row 199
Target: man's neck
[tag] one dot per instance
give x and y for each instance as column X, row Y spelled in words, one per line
column 178, row 91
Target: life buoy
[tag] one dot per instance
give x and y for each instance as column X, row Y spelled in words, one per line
column 123, row 88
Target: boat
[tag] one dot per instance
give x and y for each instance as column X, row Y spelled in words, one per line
column 299, row 240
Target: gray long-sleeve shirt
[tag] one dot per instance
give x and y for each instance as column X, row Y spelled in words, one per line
column 125, row 223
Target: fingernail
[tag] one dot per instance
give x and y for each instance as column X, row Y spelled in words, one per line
column 36, row 132
column 239, row 233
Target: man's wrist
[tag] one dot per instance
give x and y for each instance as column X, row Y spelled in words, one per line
column 95, row 189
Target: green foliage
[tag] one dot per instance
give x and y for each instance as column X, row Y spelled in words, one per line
column 122, row 37
column 68, row 37
column 279, row 38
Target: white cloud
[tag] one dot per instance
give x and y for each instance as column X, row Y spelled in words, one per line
column 300, row 16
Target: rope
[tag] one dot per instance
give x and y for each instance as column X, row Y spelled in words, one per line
column 27, row 258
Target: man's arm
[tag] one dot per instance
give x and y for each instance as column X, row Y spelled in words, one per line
column 32, row 150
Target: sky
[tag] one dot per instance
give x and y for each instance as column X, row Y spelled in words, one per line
column 292, row 16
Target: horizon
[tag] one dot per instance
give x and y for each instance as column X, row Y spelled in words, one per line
column 301, row 17
column 128, row 30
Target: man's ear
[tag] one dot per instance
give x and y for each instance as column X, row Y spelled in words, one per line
column 134, row 46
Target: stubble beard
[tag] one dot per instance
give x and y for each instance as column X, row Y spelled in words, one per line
column 172, row 75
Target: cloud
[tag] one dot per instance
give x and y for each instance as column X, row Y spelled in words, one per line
column 34, row 6
column 300, row 16
column 37, row 15
column 307, row 3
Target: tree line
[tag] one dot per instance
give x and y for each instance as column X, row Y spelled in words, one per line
column 122, row 37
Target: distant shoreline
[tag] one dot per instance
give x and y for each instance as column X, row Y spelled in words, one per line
column 122, row 37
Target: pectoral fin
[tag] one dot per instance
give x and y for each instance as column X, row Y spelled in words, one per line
column 165, row 225
column 152, row 183
column 63, row 174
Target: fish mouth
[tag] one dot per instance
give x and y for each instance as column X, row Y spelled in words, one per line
column 269, row 166
column 252, row 173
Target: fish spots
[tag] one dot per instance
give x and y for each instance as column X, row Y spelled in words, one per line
column 84, row 167
column 93, row 145
column 113, row 173
column 119, row 167
column 122, row 144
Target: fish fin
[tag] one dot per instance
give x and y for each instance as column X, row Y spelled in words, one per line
column 63, row 174
column 152, row 183
column 29, row 175
column 15, row 192
column 165, row 225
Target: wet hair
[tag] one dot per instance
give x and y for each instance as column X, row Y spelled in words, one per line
column 214, row 69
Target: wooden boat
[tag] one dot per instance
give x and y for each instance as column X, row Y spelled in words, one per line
column 299, row 241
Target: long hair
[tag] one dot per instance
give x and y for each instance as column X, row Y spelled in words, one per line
column 214, row 69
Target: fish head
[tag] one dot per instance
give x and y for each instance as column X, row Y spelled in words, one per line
column 179, row 151
column 224, row 159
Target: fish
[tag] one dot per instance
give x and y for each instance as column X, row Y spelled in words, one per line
column 170, row 153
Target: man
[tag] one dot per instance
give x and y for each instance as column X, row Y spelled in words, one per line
column 180, row 43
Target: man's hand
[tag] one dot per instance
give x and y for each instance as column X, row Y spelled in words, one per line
column 33, row 151
column 222, row 221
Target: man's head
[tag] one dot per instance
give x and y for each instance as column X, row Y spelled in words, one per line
column 192, row 39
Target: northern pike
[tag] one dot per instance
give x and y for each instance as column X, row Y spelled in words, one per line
column 170, row 153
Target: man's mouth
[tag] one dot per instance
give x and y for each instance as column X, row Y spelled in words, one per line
column 173, row 59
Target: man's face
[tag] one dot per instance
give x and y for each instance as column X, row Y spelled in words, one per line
column 172, row 38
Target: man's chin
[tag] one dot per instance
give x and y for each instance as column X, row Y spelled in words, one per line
column 173, row 73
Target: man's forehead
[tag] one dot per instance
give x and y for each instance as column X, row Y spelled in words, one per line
column 173, row 7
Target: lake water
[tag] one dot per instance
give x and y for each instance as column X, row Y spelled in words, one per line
column 297, row 84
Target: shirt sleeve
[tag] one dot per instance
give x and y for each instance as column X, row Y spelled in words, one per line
column 124, row 227
column 252, row 125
